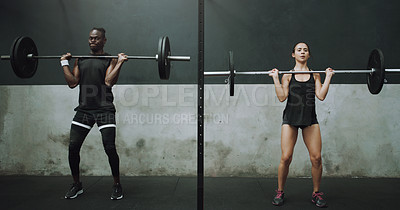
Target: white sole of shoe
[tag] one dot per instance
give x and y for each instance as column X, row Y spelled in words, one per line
column 120, row 197
column 76, row 195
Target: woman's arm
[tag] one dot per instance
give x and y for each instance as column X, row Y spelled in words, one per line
column 321, row 90
column 282, row 90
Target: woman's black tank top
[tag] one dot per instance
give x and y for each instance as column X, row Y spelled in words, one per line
column 300, row 106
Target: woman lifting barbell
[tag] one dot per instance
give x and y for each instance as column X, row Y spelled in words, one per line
column 301, row 90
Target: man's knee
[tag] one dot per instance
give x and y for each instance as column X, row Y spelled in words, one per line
column 76, row 138
column 108, row 136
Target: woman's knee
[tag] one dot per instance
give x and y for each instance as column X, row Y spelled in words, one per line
column 316, row 160
column 286, row 159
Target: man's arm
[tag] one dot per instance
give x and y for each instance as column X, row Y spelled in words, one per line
column 72, row 78
column 113, row 70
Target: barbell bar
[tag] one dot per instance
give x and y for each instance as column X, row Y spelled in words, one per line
column 375, row 72
column 31, row 56
column 24, row 57
column 227, row 73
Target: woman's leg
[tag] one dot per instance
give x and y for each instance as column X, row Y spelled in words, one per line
column 288, row 141
column 312, row 139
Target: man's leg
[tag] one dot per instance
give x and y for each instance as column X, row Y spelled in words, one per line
column 107, row 126
column 80, row 128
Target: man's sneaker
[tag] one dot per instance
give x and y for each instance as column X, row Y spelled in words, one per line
column 278, row 199
column 117, row 192
column 318, row 200
column 75, row 190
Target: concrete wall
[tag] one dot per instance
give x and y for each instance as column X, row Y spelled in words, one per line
column 157, row 132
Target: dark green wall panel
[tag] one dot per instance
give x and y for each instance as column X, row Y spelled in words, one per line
column 261, row 33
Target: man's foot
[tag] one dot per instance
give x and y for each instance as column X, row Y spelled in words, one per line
column 117, row 192
column 278, row 199
column 75, row 190
column 318, row 200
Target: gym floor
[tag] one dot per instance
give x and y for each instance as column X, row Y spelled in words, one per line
column 47, row 192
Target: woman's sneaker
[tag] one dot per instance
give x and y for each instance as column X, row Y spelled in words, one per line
column 318, row 200
column 75, row 190
column 279, row 197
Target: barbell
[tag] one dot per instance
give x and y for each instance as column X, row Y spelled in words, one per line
column 375, row 72
column 24, row 57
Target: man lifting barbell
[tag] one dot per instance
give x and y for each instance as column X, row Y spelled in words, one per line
column 300, row 91
column 96, row 74
column 95, row 78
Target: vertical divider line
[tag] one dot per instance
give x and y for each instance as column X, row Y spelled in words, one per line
column 200, row 108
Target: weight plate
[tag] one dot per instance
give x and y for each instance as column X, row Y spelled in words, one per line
column 375, row 80
column 22, row 66
column 11, row 52
column 161, row 68
column 231, row 75
column 164, row 65
column 166, row 52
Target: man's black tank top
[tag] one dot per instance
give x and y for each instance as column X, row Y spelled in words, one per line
column 94, row 94
column 300, row 106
